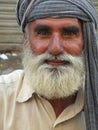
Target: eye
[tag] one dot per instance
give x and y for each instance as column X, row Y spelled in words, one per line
column 68, row 33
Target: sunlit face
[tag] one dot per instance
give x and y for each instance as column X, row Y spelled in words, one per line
column 53, row 60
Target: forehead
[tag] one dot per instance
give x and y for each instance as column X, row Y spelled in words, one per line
column 56, row 22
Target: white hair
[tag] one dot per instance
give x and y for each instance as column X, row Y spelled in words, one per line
column 53, row 81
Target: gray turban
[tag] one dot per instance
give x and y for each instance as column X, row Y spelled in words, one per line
column 29, row 10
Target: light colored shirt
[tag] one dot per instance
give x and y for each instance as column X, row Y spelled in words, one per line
column 22, row 109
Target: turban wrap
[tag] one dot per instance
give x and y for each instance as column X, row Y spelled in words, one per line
column 29, row 10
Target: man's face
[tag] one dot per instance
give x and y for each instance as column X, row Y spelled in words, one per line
column 56, row 36
column 53, row 59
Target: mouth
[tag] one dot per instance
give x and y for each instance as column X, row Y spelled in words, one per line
column 57, row 62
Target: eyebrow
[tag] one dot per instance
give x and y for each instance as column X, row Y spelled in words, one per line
column 73, row 29
column 41, row 27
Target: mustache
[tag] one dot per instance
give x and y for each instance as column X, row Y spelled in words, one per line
column 66, row 58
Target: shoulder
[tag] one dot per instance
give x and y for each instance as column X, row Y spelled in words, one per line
column 11, row 77
column 9, row 83
column 9, row 87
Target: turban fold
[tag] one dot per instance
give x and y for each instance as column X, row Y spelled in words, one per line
column 29, row 10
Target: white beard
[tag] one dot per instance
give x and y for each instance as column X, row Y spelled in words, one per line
column 53, row 81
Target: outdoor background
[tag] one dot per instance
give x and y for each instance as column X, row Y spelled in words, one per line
column 11, row 37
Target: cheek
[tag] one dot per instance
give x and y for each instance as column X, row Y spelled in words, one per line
column 38, row 46
column 74, row 47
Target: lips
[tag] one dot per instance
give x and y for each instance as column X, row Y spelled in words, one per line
column 57, row 62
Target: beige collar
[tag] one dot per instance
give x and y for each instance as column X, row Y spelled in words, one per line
column 25, row 92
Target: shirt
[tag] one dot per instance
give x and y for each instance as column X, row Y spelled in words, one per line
column 22, row 109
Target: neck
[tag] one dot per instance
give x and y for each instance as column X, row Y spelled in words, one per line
column 60, row 104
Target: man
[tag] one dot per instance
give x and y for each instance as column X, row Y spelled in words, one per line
column 60, row 64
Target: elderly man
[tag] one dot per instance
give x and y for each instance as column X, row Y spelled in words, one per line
column 60, row 64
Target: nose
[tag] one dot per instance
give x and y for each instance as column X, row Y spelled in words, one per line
column 55, row 45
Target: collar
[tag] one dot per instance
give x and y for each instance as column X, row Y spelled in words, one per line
column 72, row 110
column 25, row 91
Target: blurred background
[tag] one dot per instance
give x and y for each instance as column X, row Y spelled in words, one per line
column 11, row 37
